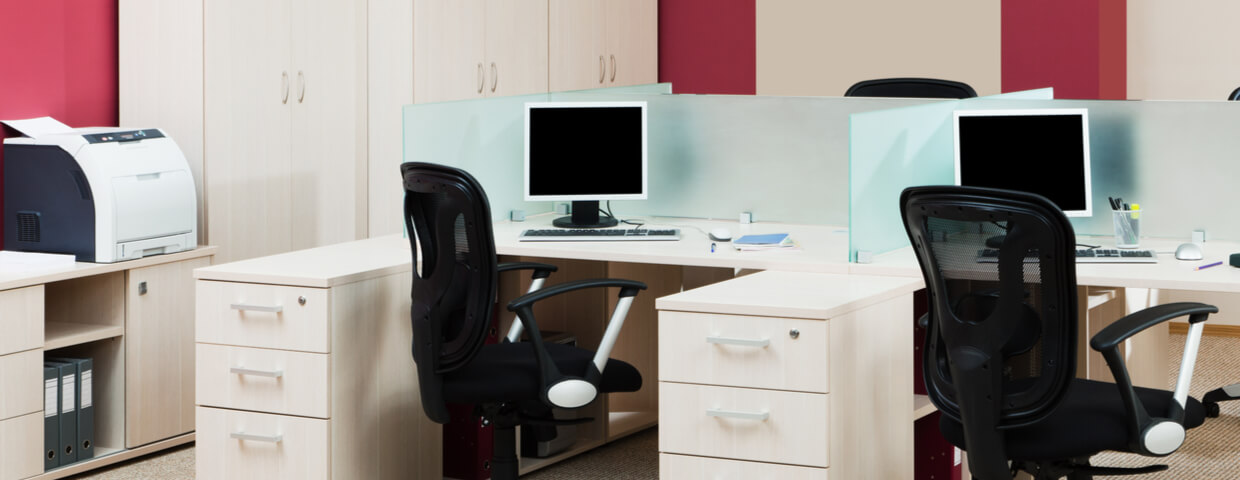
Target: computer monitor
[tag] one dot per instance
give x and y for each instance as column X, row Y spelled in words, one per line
column 585, row 152
column 1042, row 151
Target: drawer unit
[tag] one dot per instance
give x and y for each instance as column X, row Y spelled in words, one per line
column 259, row 445
column 21, row 383
column 744, row 351
column 21, row 446
column 21, row 319
column 263, row 380
column 264, row 316
column 744, row 423
column 689, row 468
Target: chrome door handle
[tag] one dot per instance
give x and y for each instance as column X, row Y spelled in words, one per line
column 258, row 438
column 284, row 86
column 759, row 416
column 494, row 77
column 301, row 82
column 602, row 69
column 256, row 373
column 613, row 68
column 257, row 308
column 744, row 342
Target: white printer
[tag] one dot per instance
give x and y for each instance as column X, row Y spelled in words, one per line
column 103, row 194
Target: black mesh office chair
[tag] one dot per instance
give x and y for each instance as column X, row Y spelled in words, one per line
column 1235, row 95
column 1000, row 353
column 910, row 88
column 454, row 288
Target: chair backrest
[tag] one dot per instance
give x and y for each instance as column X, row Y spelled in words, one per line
column 454, row 287
column 1001, row 346
column 911, row 88
column 1235, row 95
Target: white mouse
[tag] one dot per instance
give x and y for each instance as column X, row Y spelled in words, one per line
column 720, row 234
column 1188, row 251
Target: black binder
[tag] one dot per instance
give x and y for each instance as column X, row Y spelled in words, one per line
column 83, row 403
column 51, row 416
column 68, row 411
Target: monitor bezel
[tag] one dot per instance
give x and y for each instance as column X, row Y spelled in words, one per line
column 591, row 197
column 1082, row 112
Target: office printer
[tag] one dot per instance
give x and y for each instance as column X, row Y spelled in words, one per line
column 103, row 194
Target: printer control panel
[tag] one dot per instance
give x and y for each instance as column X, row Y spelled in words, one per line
column 129, row 136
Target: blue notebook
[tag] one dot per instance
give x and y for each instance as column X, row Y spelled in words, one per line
column 769, row 239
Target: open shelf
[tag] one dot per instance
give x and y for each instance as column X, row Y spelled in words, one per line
column 67, row 334
column 529, row 464
column 922, row 406
column 111, row 456
column 621, row 424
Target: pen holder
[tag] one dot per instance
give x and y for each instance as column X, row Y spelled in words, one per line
column 1127, row 227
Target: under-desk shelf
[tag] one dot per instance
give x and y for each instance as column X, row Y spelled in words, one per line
column 67, row 334
column 922, row 406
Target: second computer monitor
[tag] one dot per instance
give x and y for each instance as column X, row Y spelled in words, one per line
column 1043, row 151
column 585, row 152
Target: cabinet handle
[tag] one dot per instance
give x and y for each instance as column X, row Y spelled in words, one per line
column 301, row 82
column 613, row 68
column 602, row 69
column 257, row 438
column 284, row 86
column 481, row 78
column 494, row 77
column 738, row 341
column 257, row 373
column 760, row 416
column 257, row 308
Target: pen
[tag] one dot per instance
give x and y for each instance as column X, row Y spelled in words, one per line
column 1203, row 267
column 712, row 248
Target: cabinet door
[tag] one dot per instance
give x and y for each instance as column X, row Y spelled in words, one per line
column 576, row 45
column 632, row 28
column 327, row 171
column 248, row 86
column 448, row 50
column 516, row 47
column 159, row 351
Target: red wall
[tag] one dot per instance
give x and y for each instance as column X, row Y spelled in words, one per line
column 708, row 46
column 59, row 59
column 1076, row 46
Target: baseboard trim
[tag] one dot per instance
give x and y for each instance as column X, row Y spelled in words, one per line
column 1209, row 330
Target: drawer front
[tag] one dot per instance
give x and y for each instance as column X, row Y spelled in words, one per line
column 21, row 447
column 265, row 316
column 271, row 447
column 21, row 319
column 272, row 381
column 687, row 467
column 21, row 384
column 718, row 422
column 743, row 351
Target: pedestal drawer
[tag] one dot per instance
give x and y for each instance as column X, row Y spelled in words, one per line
column 264, row 316
column 744, row 423
column 21, row 319
column 21, row 383
column 233, row 444
column 743, row 351
column 21, row 446
column 272, row 381
column 689, row 468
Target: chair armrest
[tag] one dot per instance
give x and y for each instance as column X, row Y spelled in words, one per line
column 628, row 288
column 541, row 272
column 1153, row 435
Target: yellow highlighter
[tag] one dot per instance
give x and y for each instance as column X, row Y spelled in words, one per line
column 1136, row 211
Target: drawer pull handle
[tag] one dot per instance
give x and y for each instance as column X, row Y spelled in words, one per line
column 739, row 341
column 257, row 373
column 761, row 416
column 257, row 308
column 257, row 438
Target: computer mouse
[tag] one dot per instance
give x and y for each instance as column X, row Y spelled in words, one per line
column 720, row 234
column 1188, row 251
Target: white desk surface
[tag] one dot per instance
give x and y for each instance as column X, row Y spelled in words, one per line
column 791, row 294
column 321, row 267
column 822, row 248
column 9, row 279
column 1168, row 273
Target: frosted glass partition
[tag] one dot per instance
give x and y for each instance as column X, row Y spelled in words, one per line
column 1178, row 159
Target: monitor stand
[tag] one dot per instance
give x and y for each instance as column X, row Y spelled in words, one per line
column 585, row 215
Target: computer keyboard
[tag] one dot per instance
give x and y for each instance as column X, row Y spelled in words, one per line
column 598, row 235
column 1083, row 255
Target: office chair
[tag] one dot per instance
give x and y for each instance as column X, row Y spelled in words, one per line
column 1000, row 353
column 1235, row 95
column 454, row 287
column 910, row 88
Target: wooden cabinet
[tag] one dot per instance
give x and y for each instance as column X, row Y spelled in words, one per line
column 478, row 48
column 602, row 43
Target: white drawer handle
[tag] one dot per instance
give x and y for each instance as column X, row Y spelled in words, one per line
column 761, row 417
column 738, row 341
column 257, row 438
column 257, row 308
column 257, row 373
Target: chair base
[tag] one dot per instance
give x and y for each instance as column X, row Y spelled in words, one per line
column 1078, row 469
column 1210, row 401
column 504, row 418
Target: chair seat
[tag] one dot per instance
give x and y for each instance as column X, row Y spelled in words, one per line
column 1090, row 419
column 509, row 373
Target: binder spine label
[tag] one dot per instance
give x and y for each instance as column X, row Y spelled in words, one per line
column 86, row 388
column 49, row 398
column 67, row 400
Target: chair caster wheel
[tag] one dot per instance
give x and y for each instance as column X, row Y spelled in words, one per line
column 1211, row 409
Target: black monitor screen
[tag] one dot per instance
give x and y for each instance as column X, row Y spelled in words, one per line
column 585, row 151
column 1042, row 154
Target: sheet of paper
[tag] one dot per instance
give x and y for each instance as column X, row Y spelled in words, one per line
column 38, row 127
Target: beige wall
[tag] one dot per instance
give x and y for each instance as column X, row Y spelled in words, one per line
column 820, row 47
column 1183, row 50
